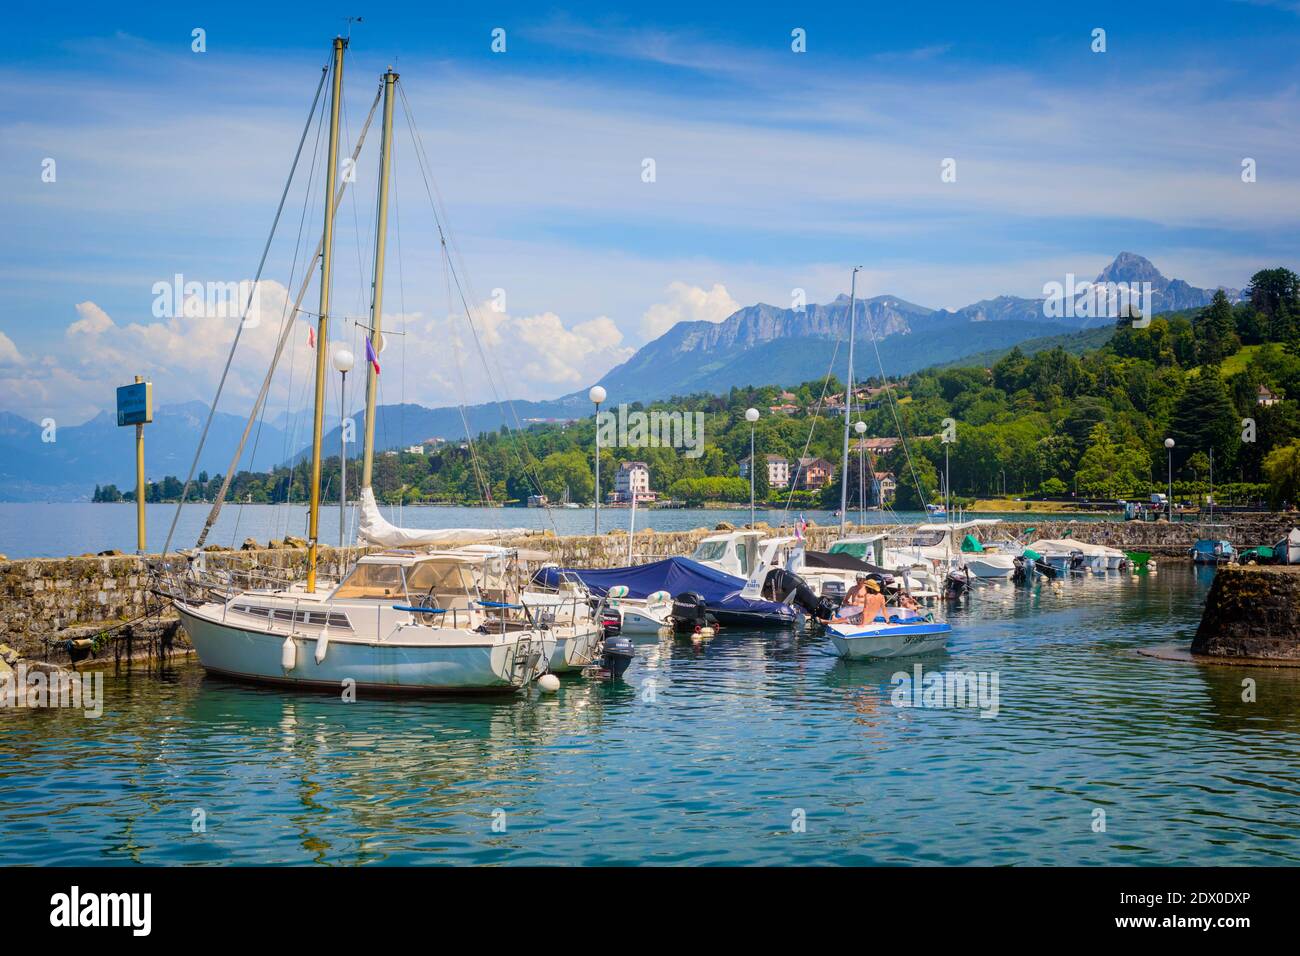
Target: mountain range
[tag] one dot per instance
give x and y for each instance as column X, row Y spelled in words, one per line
column 757, row 345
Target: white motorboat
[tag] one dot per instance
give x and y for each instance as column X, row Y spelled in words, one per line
column 1070, row 554
column 897, row 637
column 937, row 545
column 648, row 617
column 731, row 552
column 399, row 621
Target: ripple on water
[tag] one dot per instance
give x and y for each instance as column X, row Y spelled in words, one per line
column 747, row 749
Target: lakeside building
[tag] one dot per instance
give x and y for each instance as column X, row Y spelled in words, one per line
column 778, row 470
column 814, row 474
column 632, row 479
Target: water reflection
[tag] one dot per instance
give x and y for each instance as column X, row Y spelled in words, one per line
column 701, row 757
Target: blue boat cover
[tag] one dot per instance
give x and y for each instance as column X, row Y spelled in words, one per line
column 721, row 591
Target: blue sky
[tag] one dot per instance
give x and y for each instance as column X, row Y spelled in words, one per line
column 774, row 170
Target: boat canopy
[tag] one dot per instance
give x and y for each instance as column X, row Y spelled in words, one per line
column 721, row 591
column 841, row 561
column 375, row 529
column 971, row 544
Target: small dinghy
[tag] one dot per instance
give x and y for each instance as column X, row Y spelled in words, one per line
column 893, row 638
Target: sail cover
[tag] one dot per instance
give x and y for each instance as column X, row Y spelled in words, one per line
column 375, row 529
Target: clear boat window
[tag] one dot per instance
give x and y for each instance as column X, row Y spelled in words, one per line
column 711, row 551
column 373, row 581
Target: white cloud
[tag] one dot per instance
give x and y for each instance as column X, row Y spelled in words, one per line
column 688, row 303
column 9, row 354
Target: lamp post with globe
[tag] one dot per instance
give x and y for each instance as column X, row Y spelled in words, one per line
column 751, row 416
column 597, row 395
column 861, row 428
column 1169, row 447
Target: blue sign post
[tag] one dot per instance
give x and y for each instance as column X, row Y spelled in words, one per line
column 135, row 407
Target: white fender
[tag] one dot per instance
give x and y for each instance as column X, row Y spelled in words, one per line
column 322, row 643
column 289, row 654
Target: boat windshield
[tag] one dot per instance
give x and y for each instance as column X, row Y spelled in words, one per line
column 373, row 581
column 925, row 539
column 710, row 551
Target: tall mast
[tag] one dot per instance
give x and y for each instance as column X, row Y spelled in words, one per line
column 848, row 402
column 322, row 318
column 377, row 284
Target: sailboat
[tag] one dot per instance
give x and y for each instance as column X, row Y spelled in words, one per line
column 440, row 620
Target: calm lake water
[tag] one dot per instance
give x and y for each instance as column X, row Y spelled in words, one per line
column 56, row 530
column 739, row 737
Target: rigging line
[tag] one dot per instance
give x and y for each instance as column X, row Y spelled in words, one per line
column 907, row 454
column 812, row 430
column 266, row 249
column 284, row 316
column 422, row 160
column 270, row 372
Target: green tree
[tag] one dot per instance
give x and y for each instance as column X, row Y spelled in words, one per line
column 1282, row 471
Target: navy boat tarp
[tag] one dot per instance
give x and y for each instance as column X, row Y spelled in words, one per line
column 721, row 591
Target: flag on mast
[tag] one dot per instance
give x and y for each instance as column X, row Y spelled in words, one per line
column 311, row 336
column 370, row 355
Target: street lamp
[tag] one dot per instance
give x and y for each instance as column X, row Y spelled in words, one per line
column 751, row 416
column 597, row 395
column 343, row 361
column 861, row 428
column 947, row 486
column 1169, row 447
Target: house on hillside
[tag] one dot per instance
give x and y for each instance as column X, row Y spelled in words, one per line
column 778, row 470
column 632, row 479
column 1266, row 396
column 813, row 474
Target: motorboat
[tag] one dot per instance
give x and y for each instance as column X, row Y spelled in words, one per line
column 1287, row 551
column 644, row 617
column 937, row 545
column 399, row 621
column 1213, row 551
column 732, row 552
column 723, row 595
column 1070, row 554
column 899, row 635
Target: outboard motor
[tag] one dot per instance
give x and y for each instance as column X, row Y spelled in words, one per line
column 833, row 591
column 1042, row 567
column 617, row 656
column 788, row 588
column 1022, row 569
column 1078, row 562
column 956, row 584
column 689, row 611
column 611, row 623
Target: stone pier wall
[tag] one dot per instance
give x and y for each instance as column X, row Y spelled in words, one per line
column 44, row 601
column 1252, row 613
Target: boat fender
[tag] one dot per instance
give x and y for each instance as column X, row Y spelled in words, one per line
column 322, row 643
column 548, row 683
column 289, row 654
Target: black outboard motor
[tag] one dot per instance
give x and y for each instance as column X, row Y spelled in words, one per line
column 833, row 591
column 1021, row 571
column 956, row 584
column 1045, row 569
column 781, row 584
column 689, row 611
column 617, row 656
column 611, row 623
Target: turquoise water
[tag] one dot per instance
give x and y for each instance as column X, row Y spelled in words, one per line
column 740, row 734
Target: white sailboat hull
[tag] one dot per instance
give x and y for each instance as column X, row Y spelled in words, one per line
column 575, row 648
column 993, row 566
column 464, row 662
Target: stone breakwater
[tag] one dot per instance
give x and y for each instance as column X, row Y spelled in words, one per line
column 107, row 599
column 1252, row 613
